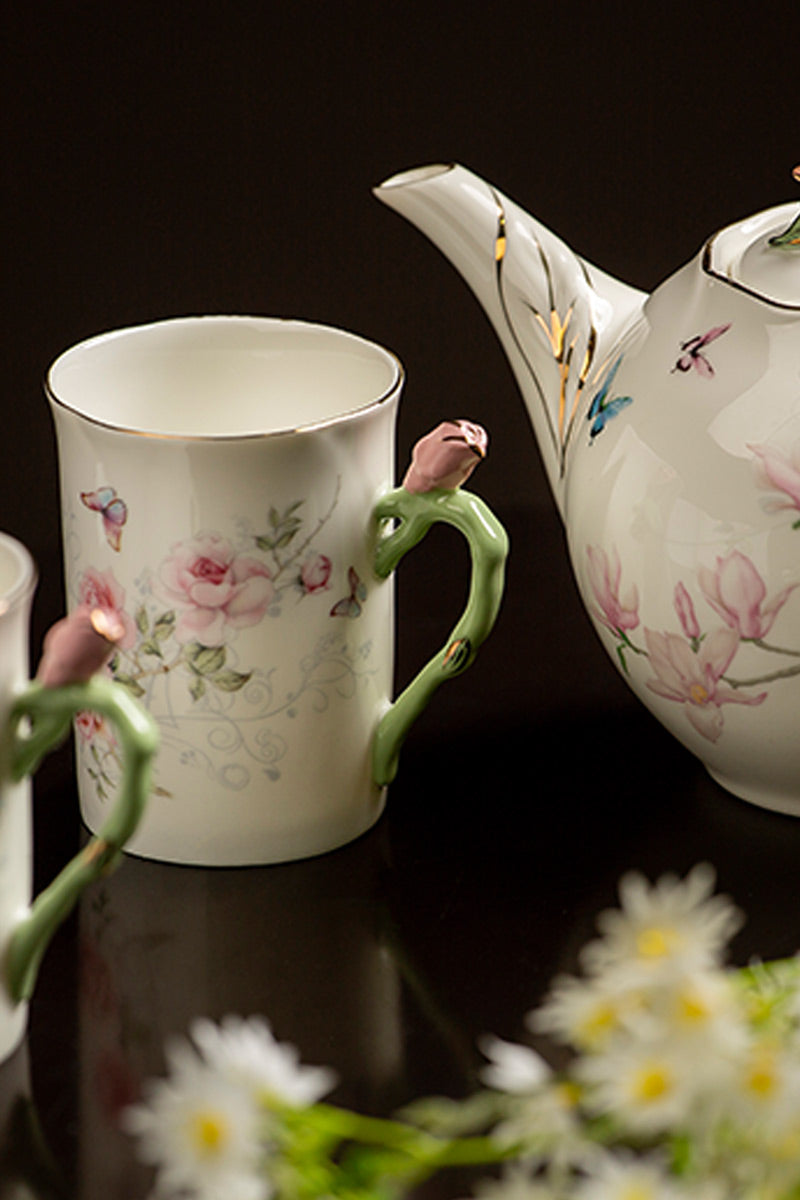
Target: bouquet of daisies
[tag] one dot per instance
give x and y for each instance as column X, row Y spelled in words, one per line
column 684, row 1081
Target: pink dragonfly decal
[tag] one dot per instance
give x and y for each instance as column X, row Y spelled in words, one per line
column 113, row 510
column 692, row 352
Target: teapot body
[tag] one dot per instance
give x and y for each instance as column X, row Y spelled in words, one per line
column 669, row 429
column 682, row 510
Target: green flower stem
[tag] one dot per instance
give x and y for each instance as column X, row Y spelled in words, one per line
column 623, row 637
column 48, row 713
column 357, row 1148
column 488, row 543
column 762, row 645
column 281, row 566
column 786, row 673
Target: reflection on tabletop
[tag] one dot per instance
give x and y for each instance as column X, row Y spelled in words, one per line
column 387, row 959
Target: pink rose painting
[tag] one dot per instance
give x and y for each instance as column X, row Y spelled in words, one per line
column 99, row 589
column 174, row 642
column 203, row 592
column 214, row 589
column 89, row 725
column 315, row 574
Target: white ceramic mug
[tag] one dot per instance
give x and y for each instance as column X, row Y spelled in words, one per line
column 33, row 719
column 226, row 488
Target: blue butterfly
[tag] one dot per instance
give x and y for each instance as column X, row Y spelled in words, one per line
column 602, row 410
column 350, row 606
column 113, row 510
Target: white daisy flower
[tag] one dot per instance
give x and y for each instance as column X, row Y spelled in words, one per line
column 584, row 1013
column 624, row 1177
column 699, row 1013
column 246, row 1052
column 647, row 1086
column 673, row 925
column 515, row 1183
column 542, row 1113
column 202, row 1134
column 765, row 1085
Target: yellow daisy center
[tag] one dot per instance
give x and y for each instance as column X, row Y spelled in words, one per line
column 636, row 1191
column 596, row 1024
column 692, row 1008
column 762, row 1078
column 652, row 1083
column 209, row 1131
column 656, row 941
column 568, row 1093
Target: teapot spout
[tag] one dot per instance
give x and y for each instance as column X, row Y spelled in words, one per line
column 557, row 317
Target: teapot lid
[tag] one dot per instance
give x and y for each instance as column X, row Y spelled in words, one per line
column 760, row 255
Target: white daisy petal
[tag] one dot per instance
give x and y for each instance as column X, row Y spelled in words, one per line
column 246, row 1051
column 673, row 925
column 512, row 1067
column 202, row 1133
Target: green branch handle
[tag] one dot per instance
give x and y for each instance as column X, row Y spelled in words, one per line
column 488, row 543
column 41, row 718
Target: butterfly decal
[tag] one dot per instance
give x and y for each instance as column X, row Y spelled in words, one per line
column 113, row 510
column 692, row 352
column 602, row 410
column 350, row 606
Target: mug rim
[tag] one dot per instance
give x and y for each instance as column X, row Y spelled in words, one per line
column 389, row 393
column 26, row 578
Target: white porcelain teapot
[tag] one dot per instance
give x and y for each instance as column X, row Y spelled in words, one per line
column 669, row 426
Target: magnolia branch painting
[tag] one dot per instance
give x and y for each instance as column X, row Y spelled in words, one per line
column 694, row 665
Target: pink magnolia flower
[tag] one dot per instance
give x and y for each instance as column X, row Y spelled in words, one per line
column 695, row 679
column 315, row 574
column 615, row 611
column 736, row 591
column 99, row 589
column 686, row 614
column 216, row 589
column 779, row 472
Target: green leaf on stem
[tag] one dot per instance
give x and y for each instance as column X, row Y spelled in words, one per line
column 229, row 681
column 130, row 684
column 164, row 626
column 205, row 660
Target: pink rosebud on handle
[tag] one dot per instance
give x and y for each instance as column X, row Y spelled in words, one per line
column 446, row 457
column 78, row 646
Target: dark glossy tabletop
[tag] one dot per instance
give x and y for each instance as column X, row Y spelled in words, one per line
column 523, row 795
column 163, row 166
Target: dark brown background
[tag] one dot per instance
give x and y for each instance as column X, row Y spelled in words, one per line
column 170, row 159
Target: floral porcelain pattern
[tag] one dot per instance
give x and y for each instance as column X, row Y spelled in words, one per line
column 179, row 645
column 693, row 665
